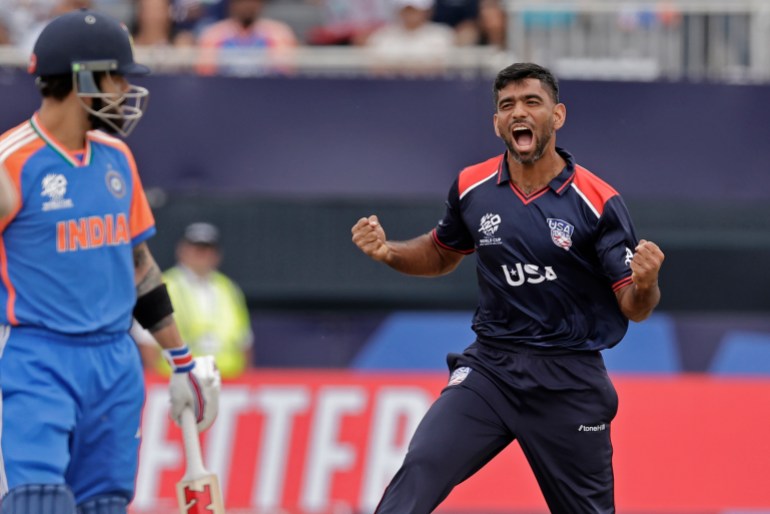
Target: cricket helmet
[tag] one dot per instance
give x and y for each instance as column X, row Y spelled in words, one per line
column 85, row 42
column 84, row 37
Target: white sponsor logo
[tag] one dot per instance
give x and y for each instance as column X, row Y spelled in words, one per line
column 529, row 273
column 488, row 226
column 592, row 428
column 55, row 187
column 629, row 256
column 459, row 375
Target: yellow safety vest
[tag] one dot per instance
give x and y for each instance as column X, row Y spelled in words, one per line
column 221, row 329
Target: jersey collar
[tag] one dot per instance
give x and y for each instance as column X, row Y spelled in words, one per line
column 70, row 157
column 560, row 182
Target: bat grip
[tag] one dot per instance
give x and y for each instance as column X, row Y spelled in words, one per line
column 192, row 447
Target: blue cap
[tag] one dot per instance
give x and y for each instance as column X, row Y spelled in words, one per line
column 84, row 40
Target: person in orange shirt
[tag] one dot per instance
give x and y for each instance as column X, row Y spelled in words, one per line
column 246, row 29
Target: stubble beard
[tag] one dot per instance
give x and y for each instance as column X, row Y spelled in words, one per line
column 542, row 144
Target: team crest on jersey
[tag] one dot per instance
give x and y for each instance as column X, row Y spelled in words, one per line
column 55, row 188
column 115, row 183
column 458, row 375
column 561, row 233
column 488, row 226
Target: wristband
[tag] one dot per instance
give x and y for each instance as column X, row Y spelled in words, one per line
column 180, row 359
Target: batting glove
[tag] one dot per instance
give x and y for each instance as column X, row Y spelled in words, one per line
column 195, row 383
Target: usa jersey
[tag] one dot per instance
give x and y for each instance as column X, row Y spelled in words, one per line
column 548, row 263
column 66, row 254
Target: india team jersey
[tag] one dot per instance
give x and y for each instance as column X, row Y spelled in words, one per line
column 66, row 254
column 548, row 263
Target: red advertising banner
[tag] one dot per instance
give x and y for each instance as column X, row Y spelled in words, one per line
column 329, row 442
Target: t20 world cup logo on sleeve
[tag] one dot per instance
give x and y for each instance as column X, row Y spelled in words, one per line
column 561, row 233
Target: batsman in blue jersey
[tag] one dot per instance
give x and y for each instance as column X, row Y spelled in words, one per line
column 560, row 273
column 75, row 270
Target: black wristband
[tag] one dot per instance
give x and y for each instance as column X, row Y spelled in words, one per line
column 153, row 306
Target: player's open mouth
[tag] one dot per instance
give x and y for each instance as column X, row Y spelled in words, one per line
column 523, row 137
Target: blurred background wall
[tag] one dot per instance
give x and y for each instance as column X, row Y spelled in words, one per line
column 285, row 166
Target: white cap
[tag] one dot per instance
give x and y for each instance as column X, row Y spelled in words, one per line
column 417, row 4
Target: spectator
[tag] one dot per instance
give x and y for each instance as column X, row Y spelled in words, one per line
column 25, row 19
column 349, row 22
column 209, row 307
column 245, row 28
column 153, row 23
column 189, row 18
column 5, row 27
column 462, row 16
column 412, row 44
column 492, row 24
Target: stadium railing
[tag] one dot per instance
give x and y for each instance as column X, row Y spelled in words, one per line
column 718, row 40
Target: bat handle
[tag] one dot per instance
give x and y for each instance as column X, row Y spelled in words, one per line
column 192, row 446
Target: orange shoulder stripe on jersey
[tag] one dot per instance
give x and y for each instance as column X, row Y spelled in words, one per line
column 16, row 147
column 592, row 189
column 10, row 307
column 141, row 217
column 473, row 176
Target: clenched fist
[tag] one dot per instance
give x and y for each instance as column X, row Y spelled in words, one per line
column 646, row 264
column 369, row 236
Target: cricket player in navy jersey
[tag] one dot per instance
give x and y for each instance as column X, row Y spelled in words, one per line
column 74, row 269
column 560, row 273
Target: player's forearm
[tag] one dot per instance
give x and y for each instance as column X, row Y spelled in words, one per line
column 153, row 303
column 420, row 256
column 637, row 303
column 167, row 334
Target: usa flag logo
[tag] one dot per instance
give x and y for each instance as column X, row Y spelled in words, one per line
column 561, row 233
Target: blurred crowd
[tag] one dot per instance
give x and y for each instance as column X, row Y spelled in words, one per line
column 423, row 25
column 419, row 37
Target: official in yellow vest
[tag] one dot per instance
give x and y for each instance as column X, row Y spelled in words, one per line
column 209, row 308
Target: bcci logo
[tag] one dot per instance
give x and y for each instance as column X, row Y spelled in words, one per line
column 488, row 226
column 561, row 233
column 55, row 187
column 115, row 183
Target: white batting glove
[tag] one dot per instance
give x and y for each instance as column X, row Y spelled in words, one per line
column 194, row 383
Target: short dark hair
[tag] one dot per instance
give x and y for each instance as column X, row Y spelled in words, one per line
column 526, row 70
column 59, row 86
column 55, row 86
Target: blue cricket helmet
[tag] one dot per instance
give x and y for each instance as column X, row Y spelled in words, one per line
column 86, row 38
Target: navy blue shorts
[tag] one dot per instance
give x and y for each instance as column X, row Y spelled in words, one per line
column 71, row 411
column 557, row 404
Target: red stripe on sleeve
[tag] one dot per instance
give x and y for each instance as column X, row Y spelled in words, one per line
column 620, row 284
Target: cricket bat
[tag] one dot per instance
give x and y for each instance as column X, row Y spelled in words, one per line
column 198, row 491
